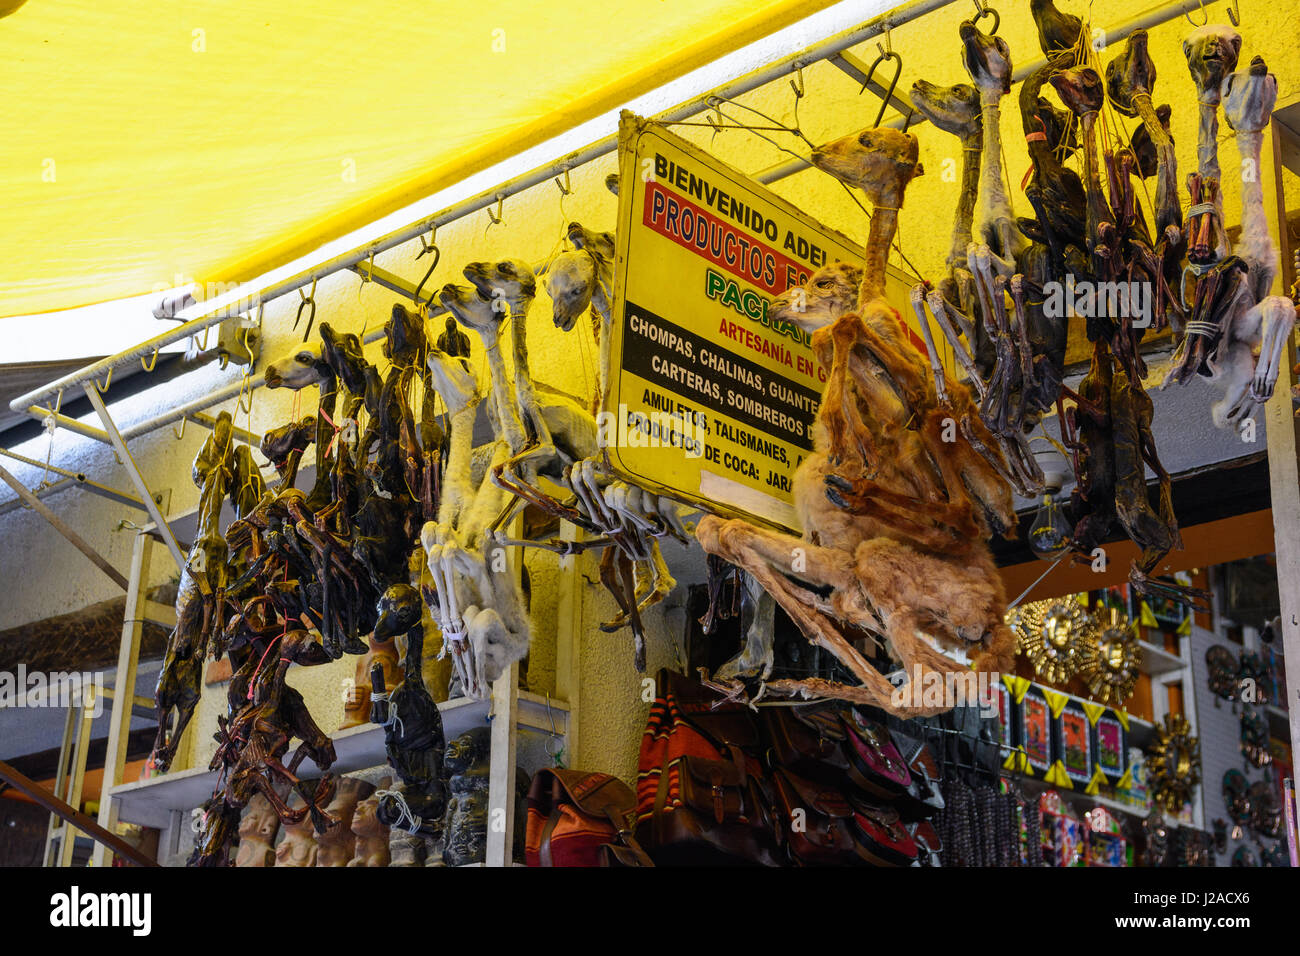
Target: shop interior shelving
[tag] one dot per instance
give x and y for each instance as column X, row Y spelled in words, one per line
column 156, row 802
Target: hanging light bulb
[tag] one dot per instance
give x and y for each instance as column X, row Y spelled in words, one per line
column 1049, row 536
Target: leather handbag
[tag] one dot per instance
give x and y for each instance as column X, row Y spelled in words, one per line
column 577, row 818
column 701, row 796
column 881, row 837
column 875, row 765
column 807, row 740
column 923, row 798
column 819, row 822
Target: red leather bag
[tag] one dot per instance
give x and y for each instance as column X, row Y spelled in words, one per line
column 577, row 818
column 701, row 796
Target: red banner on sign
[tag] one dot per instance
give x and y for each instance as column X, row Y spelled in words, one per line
column 720, row 242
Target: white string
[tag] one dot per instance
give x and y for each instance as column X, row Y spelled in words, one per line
column 392, row 713
column 414, row 827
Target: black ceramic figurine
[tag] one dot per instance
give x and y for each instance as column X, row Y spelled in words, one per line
column 413, row 735
column 465, row 830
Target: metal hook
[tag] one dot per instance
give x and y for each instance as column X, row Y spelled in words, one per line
column 437, row 257
column 889, row 93
column 798, row 87
column 564, row 188
column 498, row 218
column 107, row 381
column 308, row 299
column 178, row 435
column 714, row 119
column 986, row 11
column 1205, row 12
column 1234, row 14
column 153, row 362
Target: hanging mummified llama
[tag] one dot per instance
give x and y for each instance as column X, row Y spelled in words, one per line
column 894, row 517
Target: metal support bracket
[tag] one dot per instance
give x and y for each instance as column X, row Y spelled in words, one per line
column 137, row 479
column 62, row 528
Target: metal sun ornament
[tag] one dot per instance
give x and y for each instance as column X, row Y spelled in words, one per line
column 1108, row 661
column 1052, row 635
column 1174, row 765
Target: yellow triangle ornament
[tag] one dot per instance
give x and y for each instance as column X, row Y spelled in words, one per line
column 1055, row 700
column 1098, row 778
column 1146, row 617
column 1093, row 710
column 1019, row 686
column 1057, row 776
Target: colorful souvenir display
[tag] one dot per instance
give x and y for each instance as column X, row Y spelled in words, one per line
column 1063, row 834
column 1006, row 715
column 1074, row 745
column 1106, row 843
column 1175, row 763
column 1111, row 750
column 1036, row 730
column 1133, row 788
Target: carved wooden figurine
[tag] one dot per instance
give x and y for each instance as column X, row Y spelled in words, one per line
column 257, row 831
column 337, row 846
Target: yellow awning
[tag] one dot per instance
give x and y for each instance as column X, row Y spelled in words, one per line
column 145, row 141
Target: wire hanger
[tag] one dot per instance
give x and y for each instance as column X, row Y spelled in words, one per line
column 1204, row 12
column 425, row 249
column 308, row 299
column 565, row 190
column 984, row 10
column 499, row 218
column 886, row 53
column 1234, row 14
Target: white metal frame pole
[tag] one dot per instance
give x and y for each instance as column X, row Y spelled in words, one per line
column 128, row 659
column 137, row 479
column 55, row 830
column 502, row 770
column 1283, row 459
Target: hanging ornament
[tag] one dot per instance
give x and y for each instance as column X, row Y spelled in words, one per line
column 1236, row 797
column 1254, row 737
column 1265, row 809
column 1252, row 678
column 1276, row 855
column 1157, row 838
column 1051, row 634
column 1109, row 660
column 1174, row 767
column 1222, row 668
column 1220, row 835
